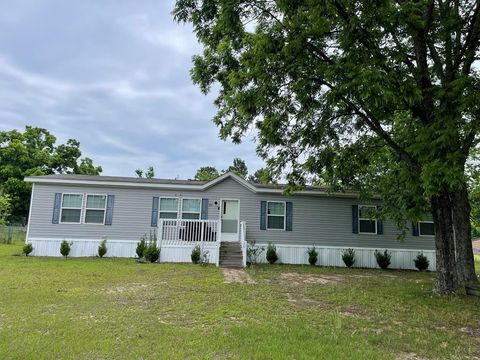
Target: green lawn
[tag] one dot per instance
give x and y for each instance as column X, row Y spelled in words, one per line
column 117, row 309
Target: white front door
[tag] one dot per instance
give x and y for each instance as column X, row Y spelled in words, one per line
column 229, row 217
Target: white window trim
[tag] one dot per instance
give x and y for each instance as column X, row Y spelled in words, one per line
column 178, row 207
column 190, row 212
column 104, row 209
column 284, row 215
column 359, row 219
column 71, row 208
column 419, row 231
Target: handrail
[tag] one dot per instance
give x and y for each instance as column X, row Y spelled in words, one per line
column 243, row 242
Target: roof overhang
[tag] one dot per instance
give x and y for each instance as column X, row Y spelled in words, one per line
column 202, row 187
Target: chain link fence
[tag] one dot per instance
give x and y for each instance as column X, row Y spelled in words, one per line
column 12, row 233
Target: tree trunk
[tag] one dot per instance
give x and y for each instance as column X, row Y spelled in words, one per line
column 444, row 243
column 463, row 236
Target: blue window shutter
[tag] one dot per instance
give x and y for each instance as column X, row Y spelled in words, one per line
column 109, row 214
column 379, row 223
column 56, row 208
column 289, row 219
column 379, row 227
column 204, row 215
column 263, row 215
column 355, row 219
column 415, row 228
column 154, row 211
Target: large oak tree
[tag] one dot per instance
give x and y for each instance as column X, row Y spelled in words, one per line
column 379, row 95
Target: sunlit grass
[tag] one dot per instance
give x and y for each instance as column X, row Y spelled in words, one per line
column 118, row 309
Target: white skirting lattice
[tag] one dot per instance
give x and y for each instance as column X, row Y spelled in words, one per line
column 178, row 251
column 332, row 256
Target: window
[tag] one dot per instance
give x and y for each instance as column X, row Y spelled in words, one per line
column 425, row 226
column 168, row 208
column 95, row 209
column 71, row 208
column 367, row 223
column 275, row 215
column 191, row 209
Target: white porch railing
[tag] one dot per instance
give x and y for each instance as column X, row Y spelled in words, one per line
column 183, row 232
column 243, row 241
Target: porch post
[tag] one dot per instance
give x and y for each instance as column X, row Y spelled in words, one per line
column 160, row 233
column 202, row 236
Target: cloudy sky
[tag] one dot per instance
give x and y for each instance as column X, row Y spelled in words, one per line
column 113, row 74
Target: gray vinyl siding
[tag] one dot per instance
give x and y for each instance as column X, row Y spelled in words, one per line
column 317, row 220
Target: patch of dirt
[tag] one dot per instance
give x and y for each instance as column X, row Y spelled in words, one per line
column 302, row 301
column 390, row 276
column 475, row 332
column 361, row 276
column 355, row 313
column 131, row 287
column 236, row 276
column 470, row 331
column 410, row 356
column 309, row 279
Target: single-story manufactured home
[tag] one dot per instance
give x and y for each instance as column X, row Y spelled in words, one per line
column 221, row 216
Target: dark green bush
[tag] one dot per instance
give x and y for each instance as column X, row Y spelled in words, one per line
column 141, row 245
column 102, row 248
column 65, row 248
column 271, row 255
column 348, row 257
column 196, row 254
column 151, row 252
column 421, row 262
column 312, row 256
column 383, row 259
column 27, row 249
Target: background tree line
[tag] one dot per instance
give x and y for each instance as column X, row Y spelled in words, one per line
column 32, row 152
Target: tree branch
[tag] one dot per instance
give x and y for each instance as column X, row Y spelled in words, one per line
column 471, row 42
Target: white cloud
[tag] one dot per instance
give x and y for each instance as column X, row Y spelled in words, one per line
column 121, row 87
column 166, row 34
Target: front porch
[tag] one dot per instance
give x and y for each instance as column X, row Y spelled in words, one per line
column 180, row 236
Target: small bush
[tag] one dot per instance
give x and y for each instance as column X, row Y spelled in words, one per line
column 65, row 248
column 151, row 252
column 102, row 248
column 27, row 249
column 383, row 259
column 204, row 258
column 421, row 262
column 141, row 245
column 312, row 256
column 272, row 256
column 253, row 252
column 196, row 254
column 348, row 257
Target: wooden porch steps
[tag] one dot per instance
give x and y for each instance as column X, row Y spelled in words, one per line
column 231, row 255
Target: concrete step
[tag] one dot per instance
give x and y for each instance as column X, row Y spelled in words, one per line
column 232, row 264
column 231, row 253
column 231, row 256
column 231, row 247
